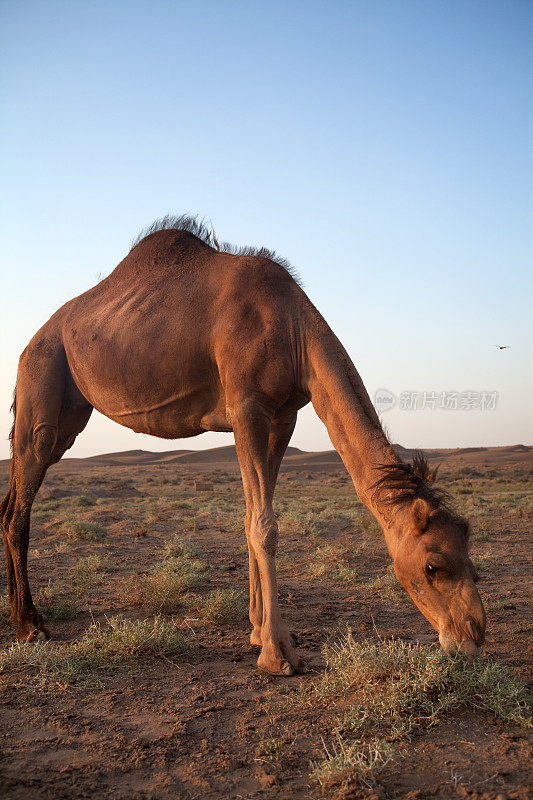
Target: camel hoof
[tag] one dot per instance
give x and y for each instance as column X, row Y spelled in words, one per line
column 282, row 669
column 255, row 639
column 36, row 635
column 286, row 668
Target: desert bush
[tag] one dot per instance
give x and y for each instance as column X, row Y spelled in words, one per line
column 365, row 521
column 140, row 531
column 328, row 561
column 523, row 507
column 483, row 562
column 83, row 501
column 79, row 530
column 479, row 532
column 124, row 640
column 221, row 606
column 178, row 547
column 275, row 748
column 405, row 686
column 42, row 510
column 345, row 573
column 61, row 609
column 88, row 572
column 301, row 524
column 284, row 562
column 162, row 589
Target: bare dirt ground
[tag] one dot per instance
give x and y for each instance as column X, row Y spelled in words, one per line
column 204, row 723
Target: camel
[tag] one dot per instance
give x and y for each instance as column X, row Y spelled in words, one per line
column 187, row 336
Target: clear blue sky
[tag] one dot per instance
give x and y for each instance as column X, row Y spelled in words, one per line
column 383, row 147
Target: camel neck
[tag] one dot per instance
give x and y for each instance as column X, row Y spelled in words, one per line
column 342, row 403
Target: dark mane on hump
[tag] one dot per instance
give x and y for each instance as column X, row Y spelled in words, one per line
column 204, row 232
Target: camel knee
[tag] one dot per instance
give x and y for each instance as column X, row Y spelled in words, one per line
column 247, row 521
column 44, row 441
column 264, row 535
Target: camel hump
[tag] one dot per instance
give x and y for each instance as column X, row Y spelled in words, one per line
column 191, row 235
column 169, row 241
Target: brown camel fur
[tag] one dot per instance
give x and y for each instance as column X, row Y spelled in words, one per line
column 185, row 337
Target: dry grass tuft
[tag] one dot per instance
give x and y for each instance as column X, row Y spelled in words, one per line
column 119, row 643
column 344, row 762
column 56, row 605
column 396, row 690
column 179, row 547
column 328, row 561
column 417, row 684
column 83, row 501
column 221, row 606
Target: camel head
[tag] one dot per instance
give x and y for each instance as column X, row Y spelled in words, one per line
column 430, row 553
column 432, row 564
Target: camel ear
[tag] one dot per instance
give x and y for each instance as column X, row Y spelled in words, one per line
column 421, row 512
column 432, row 476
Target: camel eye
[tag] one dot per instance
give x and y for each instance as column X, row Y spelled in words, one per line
column 431, row 570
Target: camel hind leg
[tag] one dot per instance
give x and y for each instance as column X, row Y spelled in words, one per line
column 43, row 430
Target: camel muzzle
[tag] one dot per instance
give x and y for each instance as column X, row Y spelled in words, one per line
column 467, row 640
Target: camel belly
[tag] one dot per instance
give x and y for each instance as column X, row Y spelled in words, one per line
column 172, row 421
column 182, row 399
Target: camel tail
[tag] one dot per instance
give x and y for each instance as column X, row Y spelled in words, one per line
column 14, row 412
column 4, row 506
column 5, row 502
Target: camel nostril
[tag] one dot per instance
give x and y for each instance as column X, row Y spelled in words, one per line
column 476, row 633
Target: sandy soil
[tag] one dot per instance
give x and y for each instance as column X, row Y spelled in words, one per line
column 198, row 725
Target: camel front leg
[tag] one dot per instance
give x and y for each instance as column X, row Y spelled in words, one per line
column 281, row 431
column 256, row 598
column 251, row 425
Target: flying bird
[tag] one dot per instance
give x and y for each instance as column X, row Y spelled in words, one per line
column 502, row 346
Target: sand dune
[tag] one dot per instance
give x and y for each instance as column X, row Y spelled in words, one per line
column 298, row 459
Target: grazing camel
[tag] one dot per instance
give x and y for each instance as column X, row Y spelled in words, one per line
column 187, row 336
